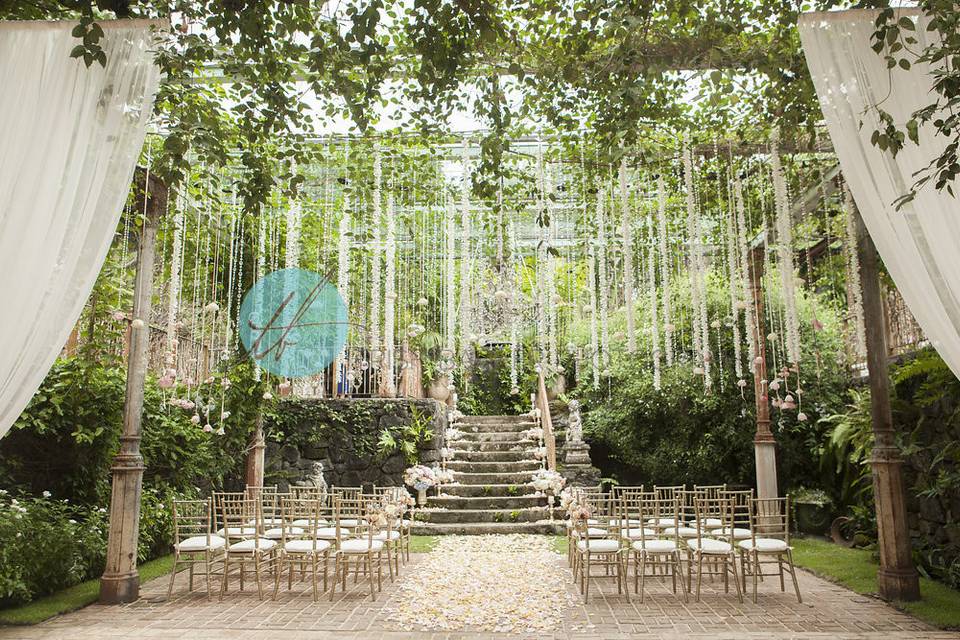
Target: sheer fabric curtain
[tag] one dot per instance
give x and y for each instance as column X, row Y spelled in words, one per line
column 70, row 137
column 920, row 243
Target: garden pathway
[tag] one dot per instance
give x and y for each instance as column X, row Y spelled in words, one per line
column 487, row 590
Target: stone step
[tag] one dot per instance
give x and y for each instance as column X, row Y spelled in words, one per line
column 507, row 501
column 488, row 490
column 491, row 427
column 524, row 514
column 497, row 445
column 495, row 436
column 493, row 466
column 486, row 528
column 460, row 455
column 493, row 419
column 520, row 477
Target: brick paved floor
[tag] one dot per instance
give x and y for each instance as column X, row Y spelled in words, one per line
column 828, row 611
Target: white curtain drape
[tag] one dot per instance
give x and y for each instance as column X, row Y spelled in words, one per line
column 70, row 137
column 920, row 242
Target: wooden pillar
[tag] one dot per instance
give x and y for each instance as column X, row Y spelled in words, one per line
column 256, row 453
column 120, row 581
column 897, row 577
column 764, row 445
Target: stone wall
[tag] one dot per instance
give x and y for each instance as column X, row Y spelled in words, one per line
column 338, row 438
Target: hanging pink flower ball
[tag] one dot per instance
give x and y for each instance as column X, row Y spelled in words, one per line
column 741, row 383
column 165, row 382
column 801, row 417
column 207, row 428
column 195, row 419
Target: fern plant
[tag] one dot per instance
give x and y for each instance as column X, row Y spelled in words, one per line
column 406, row 438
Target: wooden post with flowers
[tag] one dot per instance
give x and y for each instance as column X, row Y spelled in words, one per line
column 121, row 581
column 764, row 445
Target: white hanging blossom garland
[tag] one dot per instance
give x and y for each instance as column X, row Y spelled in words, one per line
column 603, row 283
column 343, row 275
column 261, row 263
column 626, row 233
column 701, row 335
column 785, row 253
column 514, row 316
column 743, row 281
column 466, row 337
column 451, row 312
column 292, row 244
column 733, row 271
column 592, row 310
column 389, row 302
column 664, row 258
column 376, row 354
column 541, row 266
column 855, row 292
column 652, row 288
column 173, row 303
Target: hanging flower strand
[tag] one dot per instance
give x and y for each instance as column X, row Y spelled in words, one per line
column 376, row 261
column 664, row 269
column 626, row 232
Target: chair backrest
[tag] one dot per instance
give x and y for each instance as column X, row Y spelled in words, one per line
column 191, row 518
column 771, row 518
column 618, row 490
column 686, row 507
column 668, row 492
column 643, row 507
column 256, row 492
column 311, row 492
column 300, row 518
column 218, row 497
column 242, row 518
column 710, row 490
column 742, row 507
column 350, row 493
column 719, row 508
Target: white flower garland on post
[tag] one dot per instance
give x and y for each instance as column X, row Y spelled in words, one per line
column 626, row 232
column 602, row 270
column 701, row 335
column 785, row 253
column 855, row 293
column 652, row 287
column 664, row 269
column 343, row 278
column 388, row 383
column 466, row 345
column 376, row 354
column 743, row 281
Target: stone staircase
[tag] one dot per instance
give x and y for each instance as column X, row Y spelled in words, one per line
column 491, row 494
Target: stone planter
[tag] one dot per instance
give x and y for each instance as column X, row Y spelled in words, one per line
column 812, row 517
column 421, row 497
column 438, row 389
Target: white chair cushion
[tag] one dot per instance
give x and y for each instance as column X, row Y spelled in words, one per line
column 277, row 532
column 738, row 533
column 661, row 522
column 710, row 546
column 405, row 523
column 330, row 533
column 637, row 533
column 248, row 546
column 764, row 545
column 394, row 535
column 599, row 546
column 616, row 522
column 656, row 546
column 360, row 545
column 306, row 522
column 592, row 521
column 305, row 546
column 708, row 523
column 267, row 522
column 199, row 543
column 597, row 532
column 237, row 532
column 683, row 532
column 349, row 522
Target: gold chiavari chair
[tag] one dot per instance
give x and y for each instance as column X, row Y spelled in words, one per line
column 402, row 498
column 618, row 492
column 254, row 549
column 709, row 519
column 194, row 541
column 363, row 549
column 629, row 519
column 304, row 547
column 662, row 552
column 769, row 538
column 307, row 492
column 665, row 496
column 592, row 551
column 742, row 508
column 685, row 514
column 385, row 504
column 274, row 526
column 239, row 532
column 719, row 551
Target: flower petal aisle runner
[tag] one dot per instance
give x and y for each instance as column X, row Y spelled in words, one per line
column 501, row 583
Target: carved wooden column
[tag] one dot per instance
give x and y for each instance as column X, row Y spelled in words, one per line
column 764, row 445
column 120, row 581
column 897, row 576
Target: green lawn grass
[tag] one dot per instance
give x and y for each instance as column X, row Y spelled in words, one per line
column 75, row 597
column 856, row 569
column 85, row 593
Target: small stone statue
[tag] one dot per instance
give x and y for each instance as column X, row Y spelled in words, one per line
column 316, row 478
column 575, row 423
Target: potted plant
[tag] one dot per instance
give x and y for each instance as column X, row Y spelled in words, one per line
column 812, row 510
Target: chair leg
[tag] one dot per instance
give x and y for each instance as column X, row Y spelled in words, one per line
column 780, row 567
column 173, row 574
column 736, row 578
column 699, row 573
column 207, row 567
column 586, row 576
column 756, row 569
column 336, row 575
column 256, row 571
column 643, row 574
column 793, row 574
column 226, row 574
column 622, row 574
column 678, row 570
column 313, row 576
column 373, row 589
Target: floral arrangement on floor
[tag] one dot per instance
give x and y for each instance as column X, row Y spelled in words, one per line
column 571, row 503
column 548, row 482
column 419, row 477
